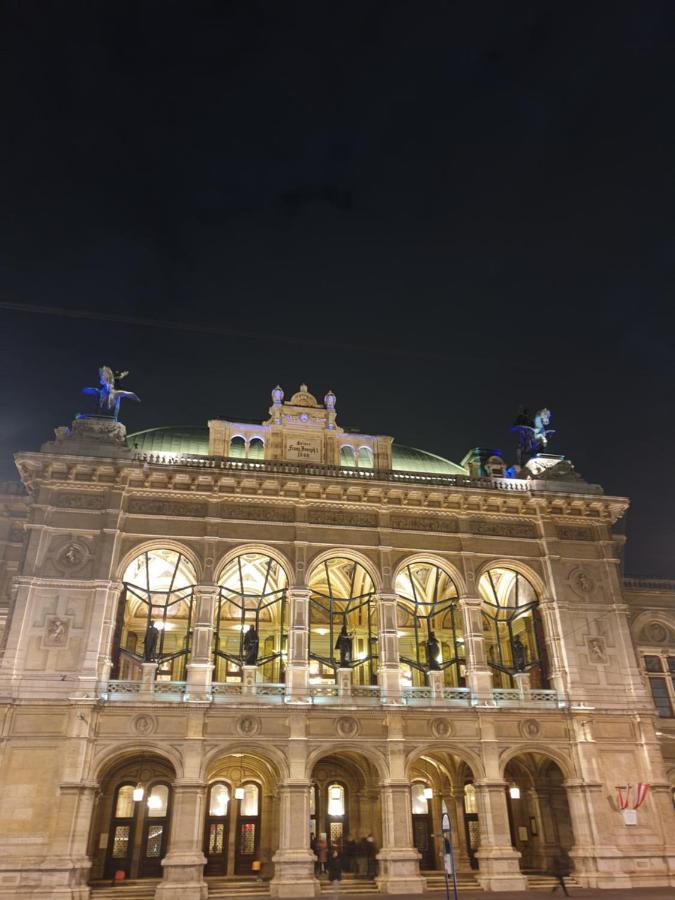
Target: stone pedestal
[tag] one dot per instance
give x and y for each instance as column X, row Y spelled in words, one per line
column 435, row 679
column 149, row 670
column 248, row 679
column 344, row 682
column 522, row 680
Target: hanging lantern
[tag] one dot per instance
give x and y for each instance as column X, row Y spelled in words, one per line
column 335, row 793
column 239, row 793
column 428, row 793
column 514, row 792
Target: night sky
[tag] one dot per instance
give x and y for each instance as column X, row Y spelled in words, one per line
column 441, row 211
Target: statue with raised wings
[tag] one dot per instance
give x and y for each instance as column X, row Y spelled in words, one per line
column 108, row 393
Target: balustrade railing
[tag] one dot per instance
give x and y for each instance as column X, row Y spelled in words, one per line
column 534, row 697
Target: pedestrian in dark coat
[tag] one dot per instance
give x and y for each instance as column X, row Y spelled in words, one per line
column 335, row 866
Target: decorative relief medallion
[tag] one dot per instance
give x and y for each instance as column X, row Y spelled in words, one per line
column 56, row 632
column 503, row 529
column 144, row 724
column 441, row 728
column 159, row 507
column 257, row 513
column 581, row 582
column 346, row 727
column 656, row 633
column 530, row 728
column 446, row 525
column 318, row 516
column 574, row 533
column 247, row 726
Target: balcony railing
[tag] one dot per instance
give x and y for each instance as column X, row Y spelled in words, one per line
column 327, row 695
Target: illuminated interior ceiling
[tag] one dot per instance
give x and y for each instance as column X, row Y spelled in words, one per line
column 176, row 439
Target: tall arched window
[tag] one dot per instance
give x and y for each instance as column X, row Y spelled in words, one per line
column 256, row 449
column 512, row 626
column 252, row 593
column 158, row 591
column 347, row 458
column 427, row 610
column 237, row 447
column 342, row 599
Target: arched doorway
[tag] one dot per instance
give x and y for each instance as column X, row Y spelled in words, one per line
column 252, row 594
column 539, row 815
column 130, row 827
column 342, row 596
column 240, row 821
column 442, row 783
column 154, row 619
column 347, row 810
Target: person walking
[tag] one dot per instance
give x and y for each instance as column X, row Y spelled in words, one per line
column 322, row 853
column 559, row 869
column 371, row 853
column 335, row 866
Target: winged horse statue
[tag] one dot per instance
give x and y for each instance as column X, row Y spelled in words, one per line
column 109, row 395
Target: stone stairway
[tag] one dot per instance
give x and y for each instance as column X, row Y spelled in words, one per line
column 142, row 889
column 541, row 881
column 349, row 885
column 436, row 882
column 221, row 888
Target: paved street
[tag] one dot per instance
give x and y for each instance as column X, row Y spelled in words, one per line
column 585, row 893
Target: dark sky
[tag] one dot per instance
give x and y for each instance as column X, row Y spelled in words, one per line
column 442, row 211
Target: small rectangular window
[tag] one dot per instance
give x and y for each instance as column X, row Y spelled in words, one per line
column 660, row 696
column 653, row 664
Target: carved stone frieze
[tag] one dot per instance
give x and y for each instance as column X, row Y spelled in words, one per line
column 355, row 518
column 160, row 506
column 504, row 528
column 258, row 512
column 574, row 533
column 446, row 524
column 77, row 500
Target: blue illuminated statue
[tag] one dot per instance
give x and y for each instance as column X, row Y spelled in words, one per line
column 533, row 434
column 109, row 395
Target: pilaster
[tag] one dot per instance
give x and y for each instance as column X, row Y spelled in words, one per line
column 297, row 673
column 200, row 667
column 478, row 673
column 183, row 865
column 389, row 669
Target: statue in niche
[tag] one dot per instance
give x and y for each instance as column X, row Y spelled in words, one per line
column 519, row 653
column 433, row 652
column 250, row 645
column 56, row 632
column 533, row 433
column 344, row 646
column 150, row 643
column 108, row 393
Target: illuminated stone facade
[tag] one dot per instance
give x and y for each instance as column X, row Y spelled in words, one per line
column 486, row 671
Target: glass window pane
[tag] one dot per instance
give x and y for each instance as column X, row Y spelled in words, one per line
column 124, row 809
column 653, row 664
column 158, row 800
column 419, row 801
column 153, row 849
column 660, row 696
column 220, row 800
column 249, row 805
column 470, row 799
column 336, row 800
column 120, row 847
column 247, row 839
column 671, row 663
column 216, row 837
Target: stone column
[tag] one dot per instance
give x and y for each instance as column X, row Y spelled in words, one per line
column 499, row 868
column 478, row 673
column 297, row 672
column 200, row 667
column 399, row 861
column 389, row 668
column 522, row 680
column 183, row 865
column 294, row 861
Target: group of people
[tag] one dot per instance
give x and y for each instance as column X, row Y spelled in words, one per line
column 356, row 856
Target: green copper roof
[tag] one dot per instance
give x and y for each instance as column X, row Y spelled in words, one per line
column 176, row 439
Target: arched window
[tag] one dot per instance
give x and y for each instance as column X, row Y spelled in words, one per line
column 365, row 458
column 336, row 800
column 237, row 448
column 512, row 626
column 252, row 593
column 256, row 449
column 342, row 602
column 428, row 611
column 420, row 804
column 158, row 592
column 347, row 458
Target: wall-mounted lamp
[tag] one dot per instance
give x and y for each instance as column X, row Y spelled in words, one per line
column 514, row 792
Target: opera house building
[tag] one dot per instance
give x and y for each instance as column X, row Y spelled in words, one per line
column 225, row 647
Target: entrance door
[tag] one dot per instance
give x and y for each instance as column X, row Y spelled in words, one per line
column 217, row 829
column 422, row 828
column 248, row 830
column 138, row 832
column 471, row 823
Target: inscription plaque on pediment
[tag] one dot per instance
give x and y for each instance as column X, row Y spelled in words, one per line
column 342, row 517
column 257, row 513
column 304, row 449
column 160, row 507
column 423, row 523
column 504, row 529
